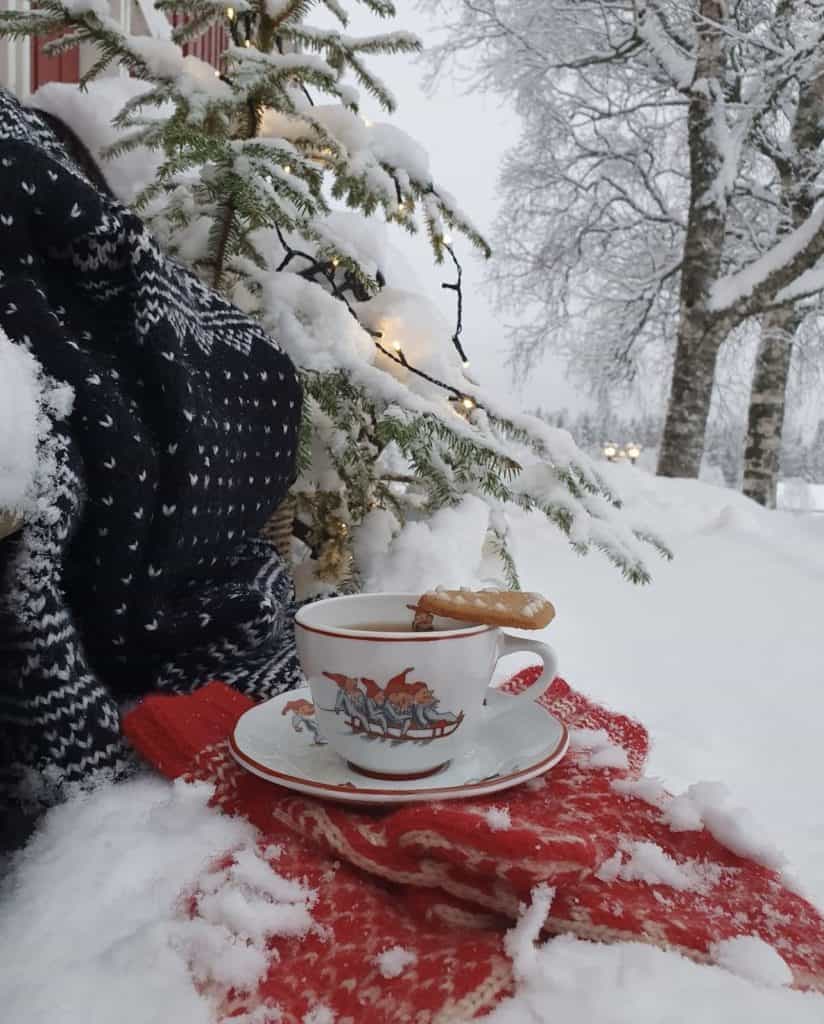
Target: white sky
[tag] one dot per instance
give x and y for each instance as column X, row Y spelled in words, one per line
column 465, row 136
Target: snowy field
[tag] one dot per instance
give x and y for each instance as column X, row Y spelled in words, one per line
column 722, row 657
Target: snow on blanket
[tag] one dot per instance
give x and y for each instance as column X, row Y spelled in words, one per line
column 619, row 872
column 27, row 401
column 120, row 901
column 267, row 926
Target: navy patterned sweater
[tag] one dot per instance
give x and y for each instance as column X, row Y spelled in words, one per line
column 139, row 567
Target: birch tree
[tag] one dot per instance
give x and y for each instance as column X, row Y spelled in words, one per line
column 657, row 113
column 798, row 165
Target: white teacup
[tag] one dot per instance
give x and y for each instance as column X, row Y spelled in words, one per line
column 396, row 703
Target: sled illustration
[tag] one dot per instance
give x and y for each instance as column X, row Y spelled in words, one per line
column 398, row 711
column 435, row 730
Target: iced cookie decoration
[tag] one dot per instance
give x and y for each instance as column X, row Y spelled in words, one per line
column 492, row 607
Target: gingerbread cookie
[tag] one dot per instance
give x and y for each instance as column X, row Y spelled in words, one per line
column 492, row 607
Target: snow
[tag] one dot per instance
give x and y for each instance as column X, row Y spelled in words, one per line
column 519, row 942
column 603, row 752
column 352, row 236
column 392, row 962
column 369, row 148
column 751, row 957
column 707, row 805
column 632, row 983
column 162, row 57
column 676, row 63
column 21, row 395
column 797, row 495
column 423, row 334
column 682, row 815
column 95, row 905
column 253, row 62
column 90, row 113
column 101, row 8
column 319, row 1015
column 647, row 862
column 313, row 328
column 443, row 550
column 721, row 657
column 392, row 146
column 728, row 687
column 498, row 818
column 733, row 826
column 730, row 291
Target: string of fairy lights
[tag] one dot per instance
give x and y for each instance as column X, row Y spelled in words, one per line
column 241, row 30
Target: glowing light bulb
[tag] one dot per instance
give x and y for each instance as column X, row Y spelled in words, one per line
column 335, row 261
column 217, row 74
column 230, row 13
column 467, row 402
column 288, row 169
column 610, row 450
column 396, row 345
column 248, row 43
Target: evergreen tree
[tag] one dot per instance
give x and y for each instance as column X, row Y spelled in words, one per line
column 271, row 186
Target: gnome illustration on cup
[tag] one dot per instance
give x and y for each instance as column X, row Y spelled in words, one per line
column 400, row 710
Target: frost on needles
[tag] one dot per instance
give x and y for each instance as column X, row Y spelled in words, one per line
column 278, row 193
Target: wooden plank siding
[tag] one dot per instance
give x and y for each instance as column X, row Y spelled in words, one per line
column 45, row 67
column 24, row 67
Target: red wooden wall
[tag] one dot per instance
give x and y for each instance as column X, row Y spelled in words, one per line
column 62, row 67
column 66, row 66
column 208, row 46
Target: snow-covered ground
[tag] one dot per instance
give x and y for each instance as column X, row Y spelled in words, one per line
column 722, row 657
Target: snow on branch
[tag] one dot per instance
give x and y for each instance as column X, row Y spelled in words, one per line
column 758, row 285
column 678, row 64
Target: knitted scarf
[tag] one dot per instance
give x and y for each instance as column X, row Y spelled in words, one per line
column 139, row 567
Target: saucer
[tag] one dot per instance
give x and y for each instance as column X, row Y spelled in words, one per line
column 279, row 741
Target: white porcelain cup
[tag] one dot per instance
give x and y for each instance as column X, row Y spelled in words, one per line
column 398, row 704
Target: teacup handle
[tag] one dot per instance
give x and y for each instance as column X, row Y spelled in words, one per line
column 509, row 644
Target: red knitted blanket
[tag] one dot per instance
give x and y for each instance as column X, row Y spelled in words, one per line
column 445, row 880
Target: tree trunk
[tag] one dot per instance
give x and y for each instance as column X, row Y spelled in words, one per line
column 765, row 421
column 767, row 402
column 682, row 444
column 699, row 335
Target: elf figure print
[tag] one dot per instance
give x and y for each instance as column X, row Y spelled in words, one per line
column 303, row 719
column 400, row 710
